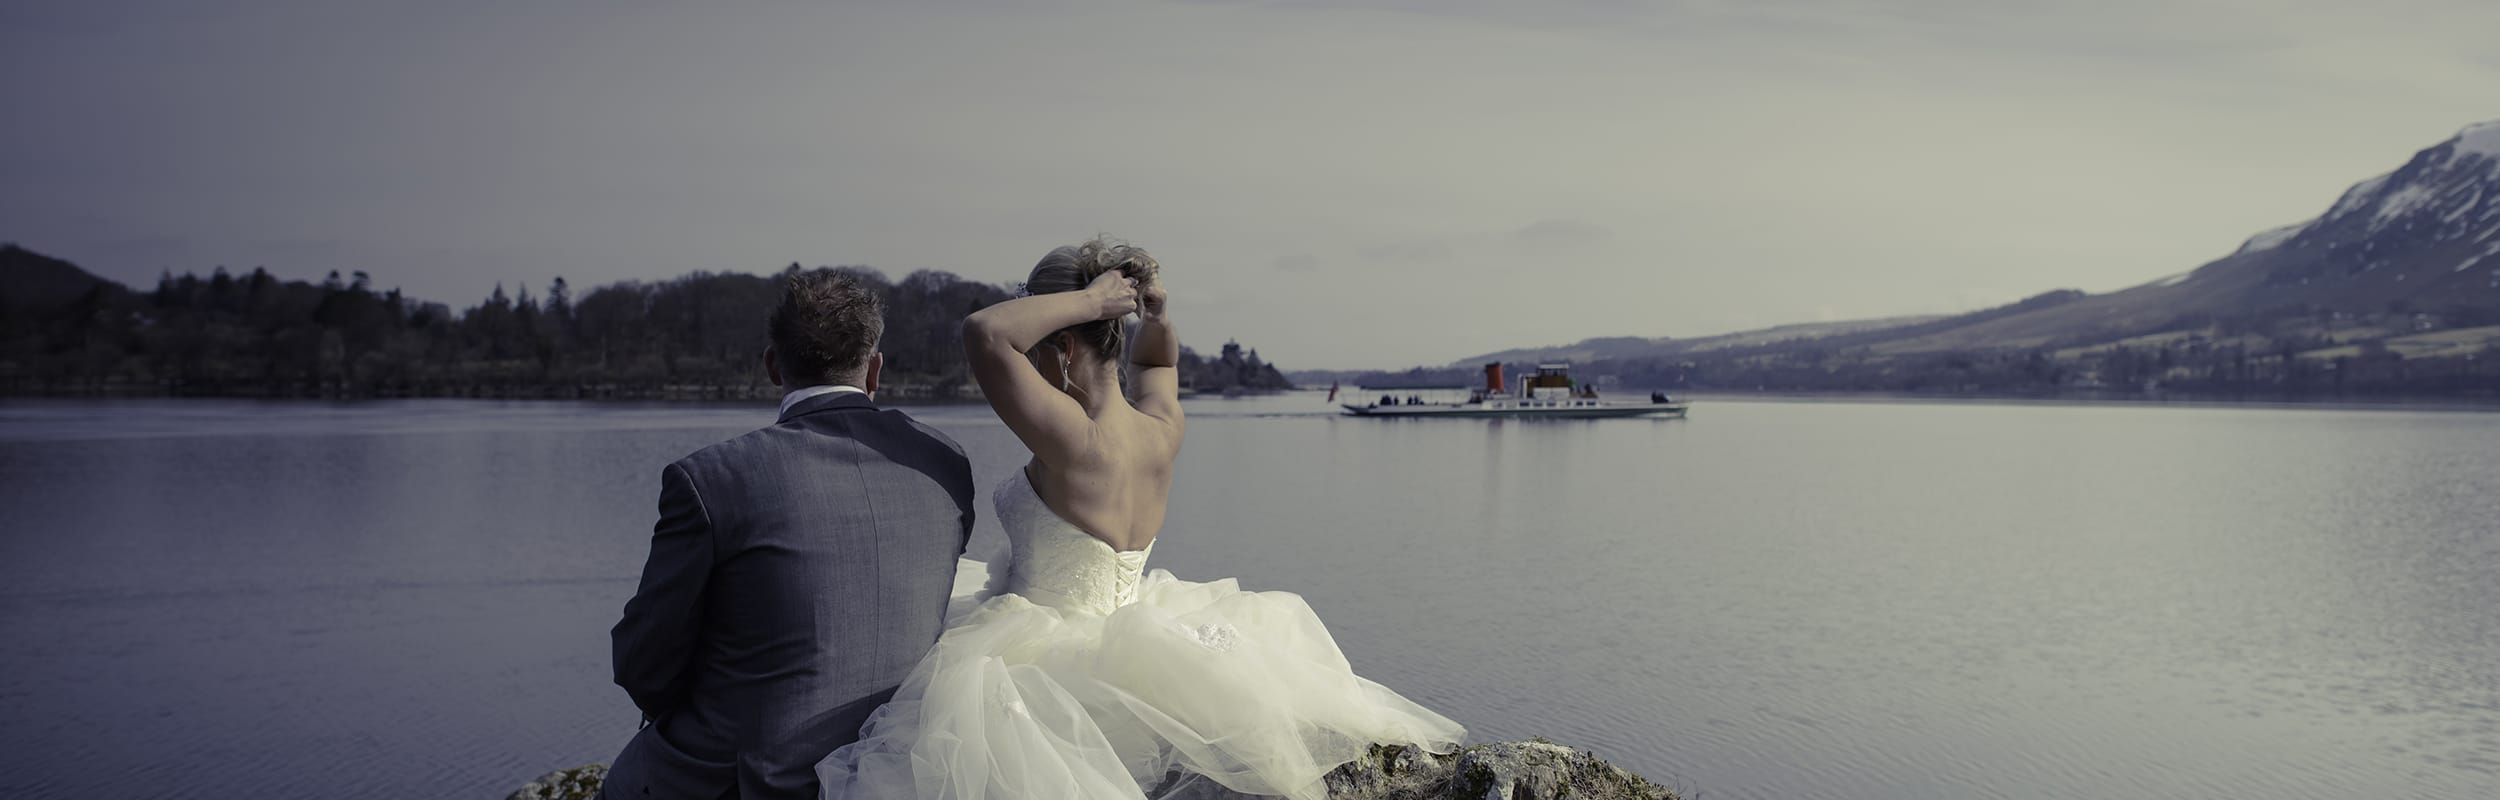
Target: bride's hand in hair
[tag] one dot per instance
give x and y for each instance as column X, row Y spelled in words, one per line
column 1116, row 294
column 1150, row 300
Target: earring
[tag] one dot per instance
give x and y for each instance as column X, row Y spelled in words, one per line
column 1067, row 376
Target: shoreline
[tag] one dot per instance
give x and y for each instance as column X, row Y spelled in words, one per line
column 2338, row 403
column 915, row 400
column 2173, row 400
column 898, row 395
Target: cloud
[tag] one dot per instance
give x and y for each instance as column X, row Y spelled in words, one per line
column 1708, row 165
column 1553, row 232
column 1973, row 298
column 1416, row 251
column 1543, row 234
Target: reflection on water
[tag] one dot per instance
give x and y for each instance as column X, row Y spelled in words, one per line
column 1791, row 600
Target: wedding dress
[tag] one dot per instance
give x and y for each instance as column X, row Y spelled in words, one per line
column 1089, row 678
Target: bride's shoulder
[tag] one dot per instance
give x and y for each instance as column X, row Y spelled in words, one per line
column 1154, row 435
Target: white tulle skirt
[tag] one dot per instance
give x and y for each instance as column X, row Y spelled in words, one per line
column 1019, row 700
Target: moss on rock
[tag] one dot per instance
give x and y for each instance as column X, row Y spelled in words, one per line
column 578, row 783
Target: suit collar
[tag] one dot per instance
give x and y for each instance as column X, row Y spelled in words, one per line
column 827, row 402
column 792, row 398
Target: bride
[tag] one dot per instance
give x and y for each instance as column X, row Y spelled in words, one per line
column 1087, row 677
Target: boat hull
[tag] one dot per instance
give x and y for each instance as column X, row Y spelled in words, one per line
column 1475, row 411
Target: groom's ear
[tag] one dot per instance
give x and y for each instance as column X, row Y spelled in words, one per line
column 868, row 375
column 772, row 367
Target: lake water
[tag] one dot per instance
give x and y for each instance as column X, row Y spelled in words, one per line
column 1768, row 600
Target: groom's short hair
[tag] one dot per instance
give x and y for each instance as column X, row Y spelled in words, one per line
column 825, row 327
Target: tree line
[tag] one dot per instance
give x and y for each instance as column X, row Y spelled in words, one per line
column 696, row 336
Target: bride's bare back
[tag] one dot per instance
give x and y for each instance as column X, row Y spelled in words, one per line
column 1050, row 364
column 1119, row 491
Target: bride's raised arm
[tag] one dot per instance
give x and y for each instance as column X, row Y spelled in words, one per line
column 997, row 338
column 1156, row 353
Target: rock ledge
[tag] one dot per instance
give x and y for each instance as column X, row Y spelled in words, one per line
column 1530, row 770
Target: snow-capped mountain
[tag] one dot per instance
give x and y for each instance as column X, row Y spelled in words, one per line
column 2424, row 237
column 2428, row 230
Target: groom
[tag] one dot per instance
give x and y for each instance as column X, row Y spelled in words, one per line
column 797, row 572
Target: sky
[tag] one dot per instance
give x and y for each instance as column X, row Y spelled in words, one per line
column 1339, row 185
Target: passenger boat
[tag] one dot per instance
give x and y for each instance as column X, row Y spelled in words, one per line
column 1548, row 394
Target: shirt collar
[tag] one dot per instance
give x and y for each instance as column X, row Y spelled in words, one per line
column 797, row 395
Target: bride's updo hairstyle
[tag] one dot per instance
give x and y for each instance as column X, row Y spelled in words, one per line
column 1074, row 267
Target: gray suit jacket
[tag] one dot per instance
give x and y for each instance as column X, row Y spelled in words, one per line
column 796, row 575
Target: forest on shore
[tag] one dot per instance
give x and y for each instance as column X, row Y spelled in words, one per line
column 701, row 335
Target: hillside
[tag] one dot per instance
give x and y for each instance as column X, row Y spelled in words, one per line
column 31, row 281
column 2420, row 239
column 1634, row 347
column 2394, row 287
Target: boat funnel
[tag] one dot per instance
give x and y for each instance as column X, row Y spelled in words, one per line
column 1493, row 378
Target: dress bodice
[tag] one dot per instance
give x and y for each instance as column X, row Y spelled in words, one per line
column 1057, row 564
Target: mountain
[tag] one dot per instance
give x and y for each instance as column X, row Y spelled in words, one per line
column 31, row 280
column 1634, row 346
column 2394, row 287
column 2423, row 234
column 2424, row 238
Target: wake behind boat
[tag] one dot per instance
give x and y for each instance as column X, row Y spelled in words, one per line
column 1548, row 394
